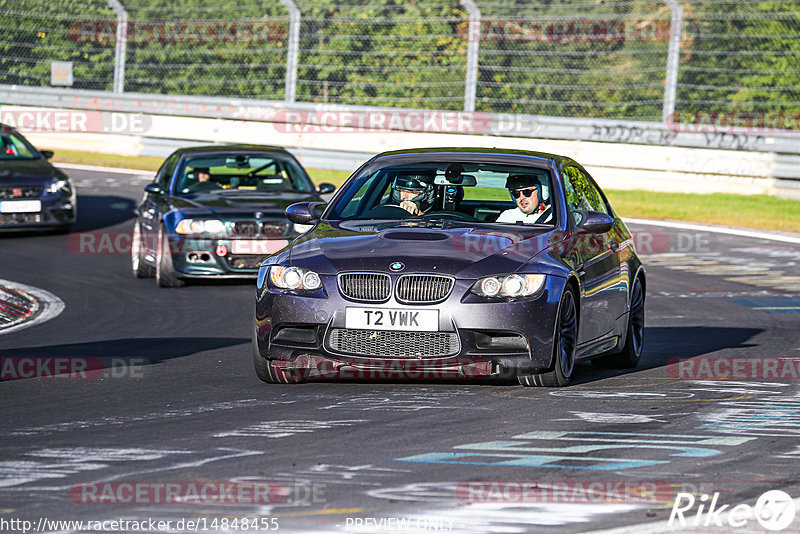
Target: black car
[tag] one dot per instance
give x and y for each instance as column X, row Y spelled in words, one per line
column 381, row 288
column 217, row 212
column 33, row 193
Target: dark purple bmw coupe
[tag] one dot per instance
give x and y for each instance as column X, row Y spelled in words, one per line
column 453, row 263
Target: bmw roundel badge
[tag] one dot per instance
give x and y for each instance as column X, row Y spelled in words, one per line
column 397, row 266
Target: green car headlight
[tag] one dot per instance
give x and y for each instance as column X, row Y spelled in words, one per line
column 196, row 226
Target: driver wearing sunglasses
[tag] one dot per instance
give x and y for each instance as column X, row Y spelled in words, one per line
column 526, row 190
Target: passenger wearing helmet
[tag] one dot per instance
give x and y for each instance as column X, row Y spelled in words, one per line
column 413, row 192
column 532, row 208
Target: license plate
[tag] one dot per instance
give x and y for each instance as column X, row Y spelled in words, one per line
column 257, row 246
column 391, row 319
column 21, row 206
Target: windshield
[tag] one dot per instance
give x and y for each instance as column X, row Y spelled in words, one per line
column 14, row 146
column 241, row 172
column 476, row 192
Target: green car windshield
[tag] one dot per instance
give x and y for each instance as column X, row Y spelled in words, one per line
column 240, row 172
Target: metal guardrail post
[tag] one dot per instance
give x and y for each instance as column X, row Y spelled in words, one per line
column 122, row 45
column 673, row 58
column 292, row 49
column 474, row 39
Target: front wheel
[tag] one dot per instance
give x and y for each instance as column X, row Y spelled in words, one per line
column 165, row 272
column 564, row 343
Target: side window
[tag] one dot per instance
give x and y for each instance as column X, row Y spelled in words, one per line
column 581, row 192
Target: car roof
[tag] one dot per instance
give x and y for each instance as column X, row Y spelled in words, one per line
column 479, row 150
column 232, row 148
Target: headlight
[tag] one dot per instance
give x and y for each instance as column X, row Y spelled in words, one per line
column 56, row 185
column 294, row 278
column 513, row 285
column 192, row 226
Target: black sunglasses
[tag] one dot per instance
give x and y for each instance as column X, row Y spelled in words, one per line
column 525, row 192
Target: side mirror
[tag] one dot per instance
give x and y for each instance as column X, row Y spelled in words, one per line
column 154, row 189
column 304, row 212
column 593, row 222
column 324, row 189
column 47, row 154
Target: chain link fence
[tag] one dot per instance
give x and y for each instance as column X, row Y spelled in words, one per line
column 580, row 58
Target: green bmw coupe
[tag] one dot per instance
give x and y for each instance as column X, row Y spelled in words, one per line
column 217, row 212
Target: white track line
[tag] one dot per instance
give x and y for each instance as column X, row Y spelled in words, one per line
column 52, row 305
column 717, row 229
column 77, row 167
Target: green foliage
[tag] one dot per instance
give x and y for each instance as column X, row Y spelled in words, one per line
column 534, row 57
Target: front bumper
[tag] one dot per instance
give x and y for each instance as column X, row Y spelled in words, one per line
column 213, row 257
column 492, row 336
column 56, row 211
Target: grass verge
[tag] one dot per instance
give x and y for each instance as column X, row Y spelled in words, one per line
column 753, row 211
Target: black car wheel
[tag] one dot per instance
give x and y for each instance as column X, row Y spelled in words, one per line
column 629, row 357
column 165, row 272
column 141, row 269
column 564, row 343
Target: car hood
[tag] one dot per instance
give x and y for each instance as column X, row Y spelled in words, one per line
column 241, row 204
column 464, row 250
column 27, row 172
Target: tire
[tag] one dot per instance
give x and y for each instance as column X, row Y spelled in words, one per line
column 64, row 229
column 165, row 272
column 139, row 266
column 564, row 343
column 631, row 353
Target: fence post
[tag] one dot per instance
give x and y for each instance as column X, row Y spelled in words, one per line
column 474, row 39
column 292, row 49
column 122, row 45
column 673, row 58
